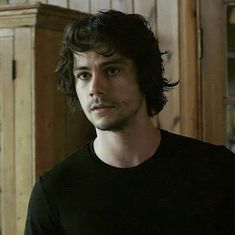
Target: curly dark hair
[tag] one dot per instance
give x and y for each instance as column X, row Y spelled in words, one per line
column 127, row 34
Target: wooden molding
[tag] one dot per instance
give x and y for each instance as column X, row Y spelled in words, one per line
column 38, row 14
column 189, row 81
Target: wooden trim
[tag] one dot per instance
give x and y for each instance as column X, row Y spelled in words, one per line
column 38, row 14
column 189, row 83
column 6, row 33
column 213, row 70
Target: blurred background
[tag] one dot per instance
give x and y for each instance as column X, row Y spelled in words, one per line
column 37, row 129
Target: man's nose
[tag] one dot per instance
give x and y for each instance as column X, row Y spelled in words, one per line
column 97, row 84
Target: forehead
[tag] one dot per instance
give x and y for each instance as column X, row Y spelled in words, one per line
column 92, row 57
column 87, row 55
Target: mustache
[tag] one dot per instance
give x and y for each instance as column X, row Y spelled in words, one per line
column 98, row 101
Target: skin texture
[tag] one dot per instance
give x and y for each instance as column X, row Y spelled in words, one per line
column 111, row 99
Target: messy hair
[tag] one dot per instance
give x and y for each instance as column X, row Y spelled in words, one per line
column 129, row 35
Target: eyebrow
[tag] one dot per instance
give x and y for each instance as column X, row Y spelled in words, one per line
column 104, row 64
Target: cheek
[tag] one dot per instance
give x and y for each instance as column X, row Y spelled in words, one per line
column 81, row 99
column 132, row 94
column 78, row 91
column 80, row 96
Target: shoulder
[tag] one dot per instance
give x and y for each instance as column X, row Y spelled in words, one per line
column 201, row 162
column 74, row 167
column 194, row 148
column 187, row 143
column 51, row 191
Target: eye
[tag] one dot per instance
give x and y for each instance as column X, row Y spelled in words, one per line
column 83, row 76
column 113, row 71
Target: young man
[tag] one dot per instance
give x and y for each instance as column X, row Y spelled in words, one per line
column 132, row 178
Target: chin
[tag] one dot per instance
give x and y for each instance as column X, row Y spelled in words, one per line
column 111, row 126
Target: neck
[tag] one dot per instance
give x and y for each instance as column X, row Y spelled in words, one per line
column 129, row 147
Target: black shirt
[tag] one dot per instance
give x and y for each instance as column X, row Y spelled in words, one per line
column 186, row 187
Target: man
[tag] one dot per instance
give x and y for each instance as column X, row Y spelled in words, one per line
column 132, row 178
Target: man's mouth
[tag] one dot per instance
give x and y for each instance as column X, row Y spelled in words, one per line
column 101, row 108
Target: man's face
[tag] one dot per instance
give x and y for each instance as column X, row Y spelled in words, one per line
column 107, row 90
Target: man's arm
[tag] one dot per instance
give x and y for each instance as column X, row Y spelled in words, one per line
column 42, row 218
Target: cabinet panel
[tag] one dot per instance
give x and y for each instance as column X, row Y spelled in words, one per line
column 24, row 152
column 7, row 146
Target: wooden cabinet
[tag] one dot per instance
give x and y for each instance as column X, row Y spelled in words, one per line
column 37, row 127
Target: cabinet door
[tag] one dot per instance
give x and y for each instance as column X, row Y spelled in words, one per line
column 7, row 133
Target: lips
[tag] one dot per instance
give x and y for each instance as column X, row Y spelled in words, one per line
column 100, row 107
